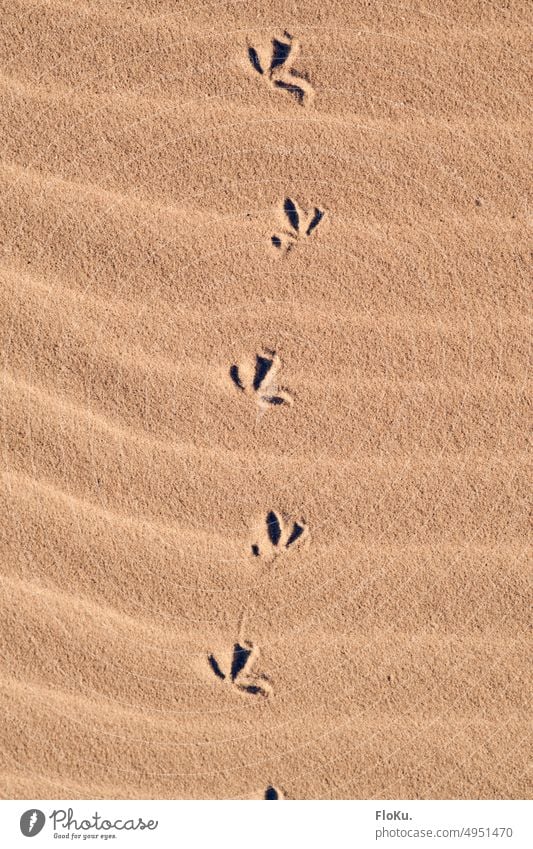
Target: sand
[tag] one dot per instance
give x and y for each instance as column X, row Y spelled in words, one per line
column 264, row 342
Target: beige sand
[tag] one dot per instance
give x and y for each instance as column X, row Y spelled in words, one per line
column 220, row 429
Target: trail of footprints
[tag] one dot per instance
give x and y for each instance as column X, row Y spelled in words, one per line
column 256, row 377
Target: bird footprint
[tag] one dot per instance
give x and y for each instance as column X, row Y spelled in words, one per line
column 238, row 671
column 273, row 793
column 277, row 536
column 275, row 63
column 300, row 223
column 257, row 377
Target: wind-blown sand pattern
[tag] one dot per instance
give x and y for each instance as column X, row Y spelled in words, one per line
column 166, row 630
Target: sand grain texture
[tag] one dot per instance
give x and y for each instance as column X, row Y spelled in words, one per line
column 264, row 345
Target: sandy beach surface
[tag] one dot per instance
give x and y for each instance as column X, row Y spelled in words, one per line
column 264, row 338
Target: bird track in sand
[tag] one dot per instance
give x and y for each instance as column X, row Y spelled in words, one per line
column 274, row 62
column 237, row 669
column 256, row 377
column 272, row 792
column 295, row 223
column 276, row 535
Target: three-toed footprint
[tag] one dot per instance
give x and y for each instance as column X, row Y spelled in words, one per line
column 257, row 377
column 236, row 669
column 274, row 62
column 296, row 223
column 275, row 535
